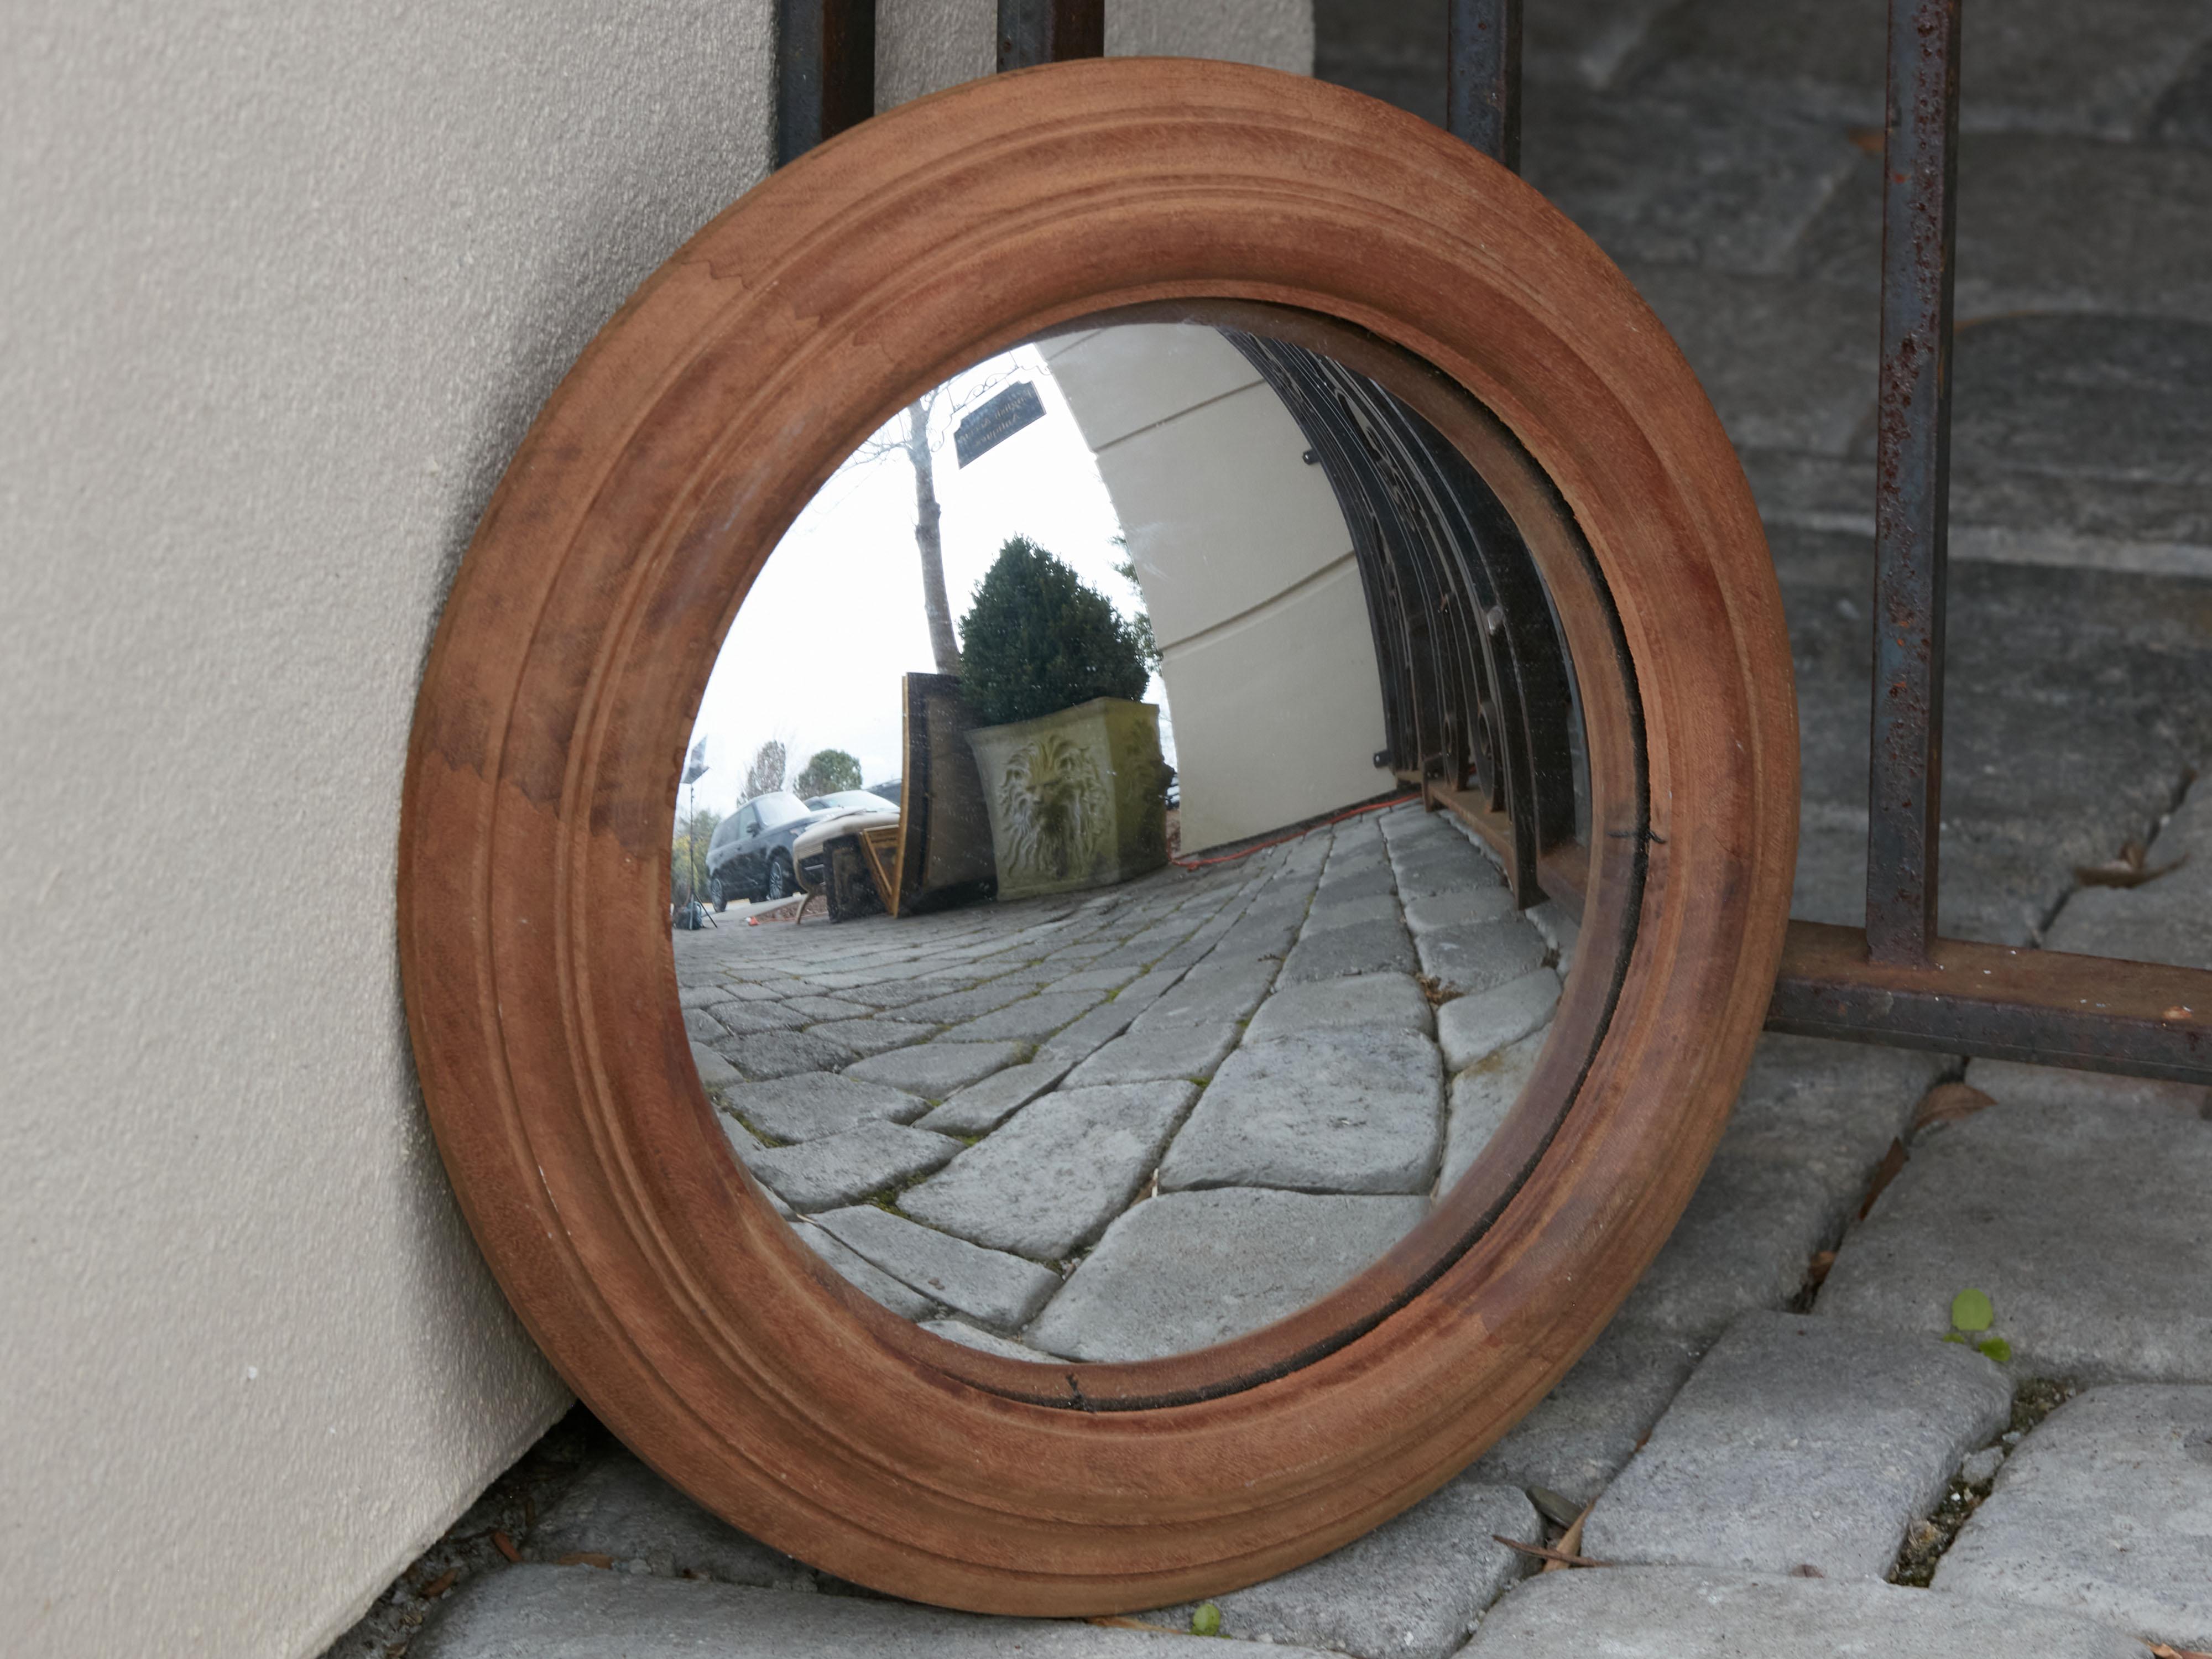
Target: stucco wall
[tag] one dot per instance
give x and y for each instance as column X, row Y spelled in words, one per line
column 1247, row 569
column 282, row 286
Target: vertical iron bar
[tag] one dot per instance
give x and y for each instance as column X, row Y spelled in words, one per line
column 825, row 71
column 1912, row 478
column 1032, row 31
column 1482, row 79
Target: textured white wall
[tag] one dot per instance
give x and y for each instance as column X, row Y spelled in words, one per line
column 1247, row 568
column 281, row 286
column 280, row 289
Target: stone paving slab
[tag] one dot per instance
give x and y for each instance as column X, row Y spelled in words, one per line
column 1206, row 996
column 2088, row 1228
column 2165, row 919
column 783, row 1053
column 2012, row 1084
column 1583, row 1432
column 817, row 1103
column 1473, row 1028
column 1343, row 1111
column 868, row 1278
column 1078, row 1042
column 1462, row 907
column 1811, row 1121
column 1726, row 179
column 1002, row 1291
column 937, row 1070
column 1185, row 1270
column 1169, row 1052
column 2183, row 115
column 1030, row 1020
column 969, row 1336
column 1446, row 864
column 2037, row 65
column 2105, row 1509
column 2078, row 703
column 1412, row 1588
column 816, row 1175
column 1363, row 947
column 1789, row 364
column 578, row 1612
column 1693, row 1613
column 619, row 1508
column 1330, row 911
column 872, row 1036
column 715, row 1073
column 1800, row 1442
column 982, row 1107
column 1467, row 961
column 1480, row 1097
column 736, row 1016
column 1053, row 1178
column 2039, row 219
column 1366, row 1002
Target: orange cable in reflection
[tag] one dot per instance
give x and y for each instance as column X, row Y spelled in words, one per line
column 1246, row 852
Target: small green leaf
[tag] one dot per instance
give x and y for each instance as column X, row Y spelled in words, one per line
column 1206, row 1621
column 1997, row 1348
column 1955, row 1337
column 1970, row 1310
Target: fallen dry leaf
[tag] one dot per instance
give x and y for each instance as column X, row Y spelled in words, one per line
column 587, row 1558
column 505, row 1546
column 2160, row 1650
column 438, row 1586
column 1884, row 1173
column 1541, row 1553
column 2131, row 869
column 1816, row 1270
column 1866, row 138
column 1947, row 1103
column 1570, row 1547
column 1806, row 1569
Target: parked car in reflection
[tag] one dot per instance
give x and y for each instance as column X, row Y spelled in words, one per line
column 849, row 813
column 750, row 856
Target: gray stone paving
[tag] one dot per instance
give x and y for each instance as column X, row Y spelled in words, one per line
column 1701, row 1613
column 1187, row 1269
column 2090, row 1230
column 2105, row 1509
column 1718, row 149
column 1415, row 1586
column 555, row 1613
column 1800, row 1442
column 1025, row 1083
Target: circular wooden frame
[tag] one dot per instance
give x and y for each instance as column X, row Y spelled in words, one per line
column 550, row 731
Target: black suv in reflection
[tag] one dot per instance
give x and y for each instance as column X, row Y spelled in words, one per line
column 749, row 857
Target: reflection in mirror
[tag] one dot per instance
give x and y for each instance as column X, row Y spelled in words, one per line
column 1063, row 936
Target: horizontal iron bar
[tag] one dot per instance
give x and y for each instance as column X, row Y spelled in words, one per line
column 1994, row 1002
column 1561, row 871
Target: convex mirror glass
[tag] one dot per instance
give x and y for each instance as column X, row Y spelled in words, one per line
column 1075, row 934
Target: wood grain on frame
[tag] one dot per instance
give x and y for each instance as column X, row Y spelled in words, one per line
column 585, row 621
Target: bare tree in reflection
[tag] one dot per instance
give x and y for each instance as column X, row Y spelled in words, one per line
column 922, row 428
column 764, row 774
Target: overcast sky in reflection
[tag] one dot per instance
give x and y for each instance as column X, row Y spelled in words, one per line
column 816, row 652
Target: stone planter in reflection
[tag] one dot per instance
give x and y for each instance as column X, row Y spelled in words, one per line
column 1077, row 799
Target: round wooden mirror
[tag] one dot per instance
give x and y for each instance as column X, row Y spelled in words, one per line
column 1509, row 434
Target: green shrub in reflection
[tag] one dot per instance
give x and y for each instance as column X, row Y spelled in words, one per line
column 1038, row 639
